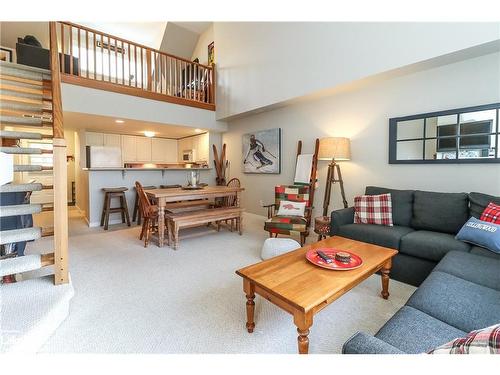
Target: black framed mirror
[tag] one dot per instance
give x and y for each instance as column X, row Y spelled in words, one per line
column 462, row 135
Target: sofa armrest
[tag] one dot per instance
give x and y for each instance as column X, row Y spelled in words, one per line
column 341, row 217
column 362, row 343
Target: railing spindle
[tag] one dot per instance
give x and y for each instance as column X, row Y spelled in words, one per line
column 71, row 50
column 79, row 54
column 109, row 60
column 116, row 61
column 123, row 63
column 102, row 57
column 87, row 53
column 94, row 41
column 129, row 72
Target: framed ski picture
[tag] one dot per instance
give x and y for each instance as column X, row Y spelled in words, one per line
column 262, row 152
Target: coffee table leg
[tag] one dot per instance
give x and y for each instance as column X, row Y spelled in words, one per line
column 386, row 269
column 249, row 290
column 303, row 321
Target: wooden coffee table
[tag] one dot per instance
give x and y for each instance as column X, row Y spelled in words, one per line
column 303, row 289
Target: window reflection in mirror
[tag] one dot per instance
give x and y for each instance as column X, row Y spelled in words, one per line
column 411, row 129
column 469, row 134
column 410, row 150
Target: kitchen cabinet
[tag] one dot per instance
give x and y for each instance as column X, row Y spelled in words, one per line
column 183, row 145
column 112, row 140
column 163, row 150
column 143, row 149
column 94, row 139
column 202, row 147
column 129, row 152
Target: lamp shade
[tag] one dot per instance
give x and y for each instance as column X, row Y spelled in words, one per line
column 338, row 148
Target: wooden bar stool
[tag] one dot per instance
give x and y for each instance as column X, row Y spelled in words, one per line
column 110, row 193
column 136, row 215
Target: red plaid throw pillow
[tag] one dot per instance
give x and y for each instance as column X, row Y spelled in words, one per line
column 373, row 209
column 491, row 213
column 482, row 341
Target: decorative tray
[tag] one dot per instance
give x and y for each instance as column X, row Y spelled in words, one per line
column 313, row 257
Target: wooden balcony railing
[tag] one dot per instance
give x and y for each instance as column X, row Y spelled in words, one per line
column 102, row 61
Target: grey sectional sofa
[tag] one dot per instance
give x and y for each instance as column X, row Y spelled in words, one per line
column 425, row 225
column 461, row 294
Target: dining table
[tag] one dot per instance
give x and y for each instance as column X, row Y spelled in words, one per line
column 163, row 197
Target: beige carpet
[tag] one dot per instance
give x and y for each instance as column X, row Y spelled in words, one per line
column 129, row 299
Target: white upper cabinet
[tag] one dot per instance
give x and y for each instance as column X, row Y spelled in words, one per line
column 129, row 148
column 163, row 150
column 94, row 139
column 143, row 147
column 202, row 151
column 112, row 140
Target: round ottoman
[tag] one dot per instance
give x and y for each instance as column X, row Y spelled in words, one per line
column 276, row 246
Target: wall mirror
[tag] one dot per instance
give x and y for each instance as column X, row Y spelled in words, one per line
column 463, row 135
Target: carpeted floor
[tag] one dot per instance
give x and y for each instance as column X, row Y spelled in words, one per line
column 129, row 299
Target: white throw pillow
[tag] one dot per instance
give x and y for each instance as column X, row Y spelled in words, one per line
column 289, row 208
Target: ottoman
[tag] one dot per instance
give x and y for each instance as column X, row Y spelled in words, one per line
column 276, row 246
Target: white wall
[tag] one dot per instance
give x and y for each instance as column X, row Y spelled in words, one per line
column 363, row 115
column 105, row 103
column 178, row 41
column 259, row 64
column 201, row 49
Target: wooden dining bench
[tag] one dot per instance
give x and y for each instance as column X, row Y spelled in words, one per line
column 180, row 220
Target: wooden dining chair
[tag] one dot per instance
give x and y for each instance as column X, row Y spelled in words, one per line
column 149, row 213
column 229, row 201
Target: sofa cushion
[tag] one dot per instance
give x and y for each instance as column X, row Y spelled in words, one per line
column 491, row 213
column 402, row 203
column 440, row 212
column 481, row 233
column 430, row 245
column 413, row 331
column 375, row 234
column 484, row 252
column 479, row 201
column 373, row 209
column 476, row 268
column 457, row 302
column 481, row 341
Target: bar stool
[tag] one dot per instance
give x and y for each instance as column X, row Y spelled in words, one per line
column 137, row 213
column 110, row 193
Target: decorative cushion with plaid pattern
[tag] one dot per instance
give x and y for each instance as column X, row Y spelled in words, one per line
column 491, row 213
column 373, row 209
column 482, row 341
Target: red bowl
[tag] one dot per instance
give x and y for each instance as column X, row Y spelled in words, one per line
column 313, row 257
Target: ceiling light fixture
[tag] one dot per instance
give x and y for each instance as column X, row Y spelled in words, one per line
column 119, row 121
column 149, row 134
column 198, row 130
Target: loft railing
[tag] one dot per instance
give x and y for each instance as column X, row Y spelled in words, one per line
column 99, row 60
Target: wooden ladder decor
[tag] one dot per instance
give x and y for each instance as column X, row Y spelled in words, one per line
column 221, row 165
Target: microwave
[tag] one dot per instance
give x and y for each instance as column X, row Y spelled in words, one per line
column 189, row 156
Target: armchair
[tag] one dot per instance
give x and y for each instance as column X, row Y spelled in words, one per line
column 302, row 190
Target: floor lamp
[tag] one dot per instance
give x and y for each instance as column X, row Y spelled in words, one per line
column 334, row 149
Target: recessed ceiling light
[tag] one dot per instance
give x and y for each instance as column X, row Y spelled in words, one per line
column 149, row 134
column 198, row 130
column 119, row 121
